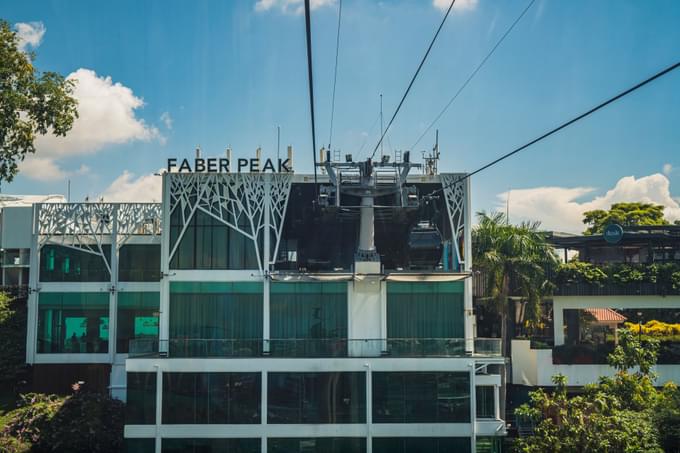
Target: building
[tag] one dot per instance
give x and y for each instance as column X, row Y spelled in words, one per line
column 250, row 313
column 633, row 282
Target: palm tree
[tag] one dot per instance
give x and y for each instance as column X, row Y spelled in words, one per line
column 514, row 260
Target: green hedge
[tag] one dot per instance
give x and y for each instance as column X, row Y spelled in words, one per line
column 664, row 275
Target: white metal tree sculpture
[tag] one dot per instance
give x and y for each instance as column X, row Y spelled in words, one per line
column 253, row 205
column 454, row 192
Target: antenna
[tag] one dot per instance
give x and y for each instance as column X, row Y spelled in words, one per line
column 68, row 191
column 278, row 143
column 381, row 126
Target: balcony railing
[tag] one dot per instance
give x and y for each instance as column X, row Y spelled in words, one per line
column 614, row 289
column 313, row 348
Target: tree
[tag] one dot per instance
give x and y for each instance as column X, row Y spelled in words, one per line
column 625, row 214
column 514, row 260
column 31, row 103
column 13, row 344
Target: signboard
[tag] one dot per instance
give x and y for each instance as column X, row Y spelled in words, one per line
column 223, row 165
column 613, row 233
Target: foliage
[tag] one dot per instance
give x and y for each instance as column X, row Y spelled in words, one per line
column 514, row 259
column 31, row 103
column 654, row 328
column 666, row 276
column 624, row 413
column 624, row 214
column 83, row 422
column 13, row 344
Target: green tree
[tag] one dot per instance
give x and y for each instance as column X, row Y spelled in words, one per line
column 31, row 103
column 514, row 260
column 625, row 214
column 13, row 344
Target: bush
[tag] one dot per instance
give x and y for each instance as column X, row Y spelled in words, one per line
column 665, row 276
column 81, row 423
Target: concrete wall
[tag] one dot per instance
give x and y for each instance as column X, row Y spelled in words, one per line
column 17, row 223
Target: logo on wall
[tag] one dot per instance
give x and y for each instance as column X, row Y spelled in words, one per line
column 613, row 233
column 223, row 165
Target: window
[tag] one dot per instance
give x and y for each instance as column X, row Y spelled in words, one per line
column 316, row 398
column 419, row 397
column 308, row 319
column 210, row 446
column 73, row 323
column 317, row 445
column 137, row 318
column 140, row 408
column 66, row 264
column 489, row 445
column 421, row 444
column 139, row 263
column 208, row 243
column 215, row 319
column 486, row 406
column 211, row 398
column 140, row 445
column 423, row 319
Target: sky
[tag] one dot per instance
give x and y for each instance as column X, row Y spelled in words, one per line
column 156, row 79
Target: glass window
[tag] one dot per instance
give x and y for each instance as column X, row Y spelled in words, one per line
column 317, row 445
column 486, row 406
column 73, row 323
column 419, row 397
column 66, row 264
column 210, row 445
column 211, row 398
column 139, row 263
column 308, row 319
column 316, row 397
column 489, row 444
column 432, row 314
column 140, row 445
column 140, row 408
column 215, row 319
column 138, row 314
column 421, row 444
column 208, row 243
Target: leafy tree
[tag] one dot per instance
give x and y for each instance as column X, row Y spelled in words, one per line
column 514, row 260
column 13, row 344
column 625, row 214
column 31, row 103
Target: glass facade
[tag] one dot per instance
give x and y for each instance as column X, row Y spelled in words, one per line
column 208, row 243
column 421, row 397
column 425, row 319
column 421, row 445
column 67, row 264
column 215, row 319
column 210, row 446
column 211, row 398
column 140, row 408
column 485, row 404
column 308, row 319
column 316, row 397
column 139, row 263
column 140, row 445
column 73, row 323
column 137, row 318
column 317, row 445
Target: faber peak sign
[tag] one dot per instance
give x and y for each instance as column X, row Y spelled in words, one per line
column 223, row 165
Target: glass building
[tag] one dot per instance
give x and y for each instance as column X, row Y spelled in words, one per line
column 235, row 316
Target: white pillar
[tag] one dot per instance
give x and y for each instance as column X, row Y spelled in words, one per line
column 267, row 261
column 263, row 411
column 113, row 293
column 159, row 406
column 473, row 409
column 558, row 324
column 164, row 319
column 369, row 408
column 33, row 295
column 467, row 251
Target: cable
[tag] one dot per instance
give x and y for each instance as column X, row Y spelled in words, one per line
column 335, row 76
column 308, row 29
column 413, row 79
column 562, row 126
column 368, row 135
column 474, row 73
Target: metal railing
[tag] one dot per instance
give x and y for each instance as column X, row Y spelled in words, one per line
column 314, row 348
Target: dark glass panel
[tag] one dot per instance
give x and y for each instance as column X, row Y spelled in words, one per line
column 139, row 263
column 138, row 314
column 140, row 408
column 486, row 406
column 317, row 445
column 421, row 445
column 211, row 398
column 140, row 445
column 210, row 445
column 419, row 397
column 67, row 264
column 316, row 397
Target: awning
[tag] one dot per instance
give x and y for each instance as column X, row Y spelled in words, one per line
column 605, row 315
column 448, row 277
column 393, row 277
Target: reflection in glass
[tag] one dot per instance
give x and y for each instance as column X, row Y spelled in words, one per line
column 140, row 407
column 317, row 445
column 67, row 264
column 421, row 444
column 210, row 445
column 138, row 314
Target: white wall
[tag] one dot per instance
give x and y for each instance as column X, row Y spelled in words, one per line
column 17, row 225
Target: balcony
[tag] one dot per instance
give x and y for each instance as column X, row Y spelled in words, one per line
column 314, row 348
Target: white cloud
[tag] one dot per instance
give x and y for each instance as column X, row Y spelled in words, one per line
column 167, row 120
column 667, row 169
column 290, row 6
column 461, row 5
column 127, row 188
column 46, row 170
column 559, row 208
column 107, row 116
column 30, row 34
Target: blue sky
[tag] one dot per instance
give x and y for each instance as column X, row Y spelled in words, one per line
column 227, row 73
